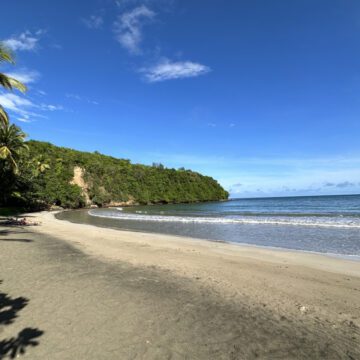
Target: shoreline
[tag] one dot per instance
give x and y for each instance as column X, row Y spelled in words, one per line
column 314, row 260
column 348, row 257
column 154, row 296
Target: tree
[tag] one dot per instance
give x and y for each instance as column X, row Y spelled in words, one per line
column 11, row 147
column 8, row 82
column 17, row 169
column 11, row 136
column 11, row 144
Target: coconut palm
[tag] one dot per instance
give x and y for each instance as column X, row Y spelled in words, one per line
column 11, row 145
column 6, row 81
column 39, row 165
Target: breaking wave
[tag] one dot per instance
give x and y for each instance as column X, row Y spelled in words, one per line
column 320, row 221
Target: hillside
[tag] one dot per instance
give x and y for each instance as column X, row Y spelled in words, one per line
column 75, row 179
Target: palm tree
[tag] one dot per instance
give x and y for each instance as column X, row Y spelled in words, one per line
column 11, row 145
column 6, row 81
column 39, row 166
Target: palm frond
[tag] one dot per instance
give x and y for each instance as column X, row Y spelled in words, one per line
column 4, row 152
column 10, row 83
column 4, row 117
column 6, row 54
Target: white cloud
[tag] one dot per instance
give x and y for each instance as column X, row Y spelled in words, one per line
column 56, row 46
column 128, row 26
column 26, row 41
column 25, row 76
column 24, row 119
column 24, row 107
column 14, row 102
column 167, row 70
column 49, row 107
column 94, row 21
column 122, row 3
column 81, row 98
column 159, row 3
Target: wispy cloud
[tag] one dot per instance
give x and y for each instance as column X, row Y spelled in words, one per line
column 169, row 70
column 49, row 107
column 25, row 76
column 56, row 46
column 128, row 27
column 25, row 108
column 93, row 21
column 15, row 103
column 341, row 185
column 26, row 41
column 41, row 92
column 81, row 98
column 163, row 4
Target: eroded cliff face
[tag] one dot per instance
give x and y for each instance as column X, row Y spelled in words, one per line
column 78, row 180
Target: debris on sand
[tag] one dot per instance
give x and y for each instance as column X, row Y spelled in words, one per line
column 20, row 222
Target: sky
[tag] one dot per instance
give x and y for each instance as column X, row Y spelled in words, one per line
column 262, row 95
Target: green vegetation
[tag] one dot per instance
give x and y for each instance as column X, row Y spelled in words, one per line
column 36, row 175
column 11, row 211
column 12, row 145
column 107, row 179
column 7, row 82
column 46, row 177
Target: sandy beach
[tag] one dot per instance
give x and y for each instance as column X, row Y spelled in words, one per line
column 70, row 291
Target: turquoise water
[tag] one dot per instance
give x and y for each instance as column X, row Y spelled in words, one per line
column 326, row 224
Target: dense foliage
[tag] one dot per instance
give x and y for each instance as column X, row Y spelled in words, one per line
column 38, row 174
column 47, row 173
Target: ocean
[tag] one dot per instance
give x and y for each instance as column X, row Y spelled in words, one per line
column 325, row 224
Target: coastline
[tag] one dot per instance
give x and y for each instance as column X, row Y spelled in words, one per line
column 315, row 260
column 194, row 238
column 285, row 303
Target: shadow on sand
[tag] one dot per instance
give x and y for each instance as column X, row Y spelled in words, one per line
column 16, row 345
column 9, row 232
column 9, row 310
column 17, row 240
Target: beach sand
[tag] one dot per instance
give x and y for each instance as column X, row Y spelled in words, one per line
column 71, row 291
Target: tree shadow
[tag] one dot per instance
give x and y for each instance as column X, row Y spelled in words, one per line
column 18, row 240
column 16, row 345
column 9, row 308
column 7, row 232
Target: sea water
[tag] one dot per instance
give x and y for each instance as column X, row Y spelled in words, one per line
column 326, row 224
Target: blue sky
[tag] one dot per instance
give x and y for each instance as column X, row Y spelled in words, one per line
column 262, row 95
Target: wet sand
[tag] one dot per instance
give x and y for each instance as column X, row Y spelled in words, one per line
column 73, row 291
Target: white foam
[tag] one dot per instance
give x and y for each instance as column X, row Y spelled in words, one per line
column 255, row 220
